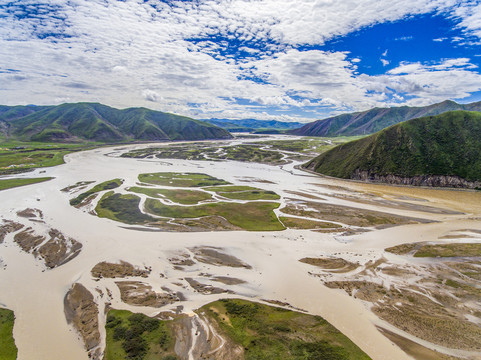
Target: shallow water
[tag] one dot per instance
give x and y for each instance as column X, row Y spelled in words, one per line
column 36, row 295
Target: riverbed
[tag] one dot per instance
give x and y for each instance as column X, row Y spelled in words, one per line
column 36, row 294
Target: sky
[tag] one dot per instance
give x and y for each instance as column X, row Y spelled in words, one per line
column 287, row 60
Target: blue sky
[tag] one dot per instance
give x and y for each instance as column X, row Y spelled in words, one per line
column 265, row 59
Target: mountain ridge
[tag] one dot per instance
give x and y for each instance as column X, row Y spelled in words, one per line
column 441, row 150
column 376, row 119
column 72, row 122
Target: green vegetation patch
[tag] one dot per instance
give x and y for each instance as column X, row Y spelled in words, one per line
column 181, row 179
column 298, row 223
column 244, row 153
column 268, row 332
column 180, row 196
column 437, row 250
column 17, row 157
column 449, row 250
column 442, row 145
column 123, row 208
column 244, row 193
column 107, row 185
column 11, row 183
column 305, row 146
column 254, row 216
column 230, row 188
column 8, row 349
column 251, row 153
column 137, row 337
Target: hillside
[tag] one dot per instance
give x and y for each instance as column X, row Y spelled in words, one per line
column 442, row 150
column 371, row 121
column 97, row 122
column 250, row 125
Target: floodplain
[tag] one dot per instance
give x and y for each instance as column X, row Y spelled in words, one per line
column 252, row 254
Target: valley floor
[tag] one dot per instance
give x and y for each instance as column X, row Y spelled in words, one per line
column 393, row 305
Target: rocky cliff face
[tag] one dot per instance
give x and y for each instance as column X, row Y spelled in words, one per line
column 422, row 180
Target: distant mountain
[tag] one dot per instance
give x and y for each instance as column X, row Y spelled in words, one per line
column 250, row 125
column 97, row 122
column 371, row 121
column 441, row 150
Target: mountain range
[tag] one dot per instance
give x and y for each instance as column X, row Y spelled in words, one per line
column 373, row 120
column 441, row 150
column 97, row 122
column 252, row 125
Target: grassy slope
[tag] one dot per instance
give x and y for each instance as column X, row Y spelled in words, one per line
column 11, row 183
column 268, row 332
column 373, row 120
column 8, row 350
column 97, row 122
column 446, row 144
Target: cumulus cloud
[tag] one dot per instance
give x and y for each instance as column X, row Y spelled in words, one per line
column 424, row 84
column 150, row 95
column 179, row 56
column 469, row 14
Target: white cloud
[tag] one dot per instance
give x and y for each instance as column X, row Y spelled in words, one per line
column 140, row 53
column 469, row 14
column 425, row 84
column 150, row 95
column 385, row 62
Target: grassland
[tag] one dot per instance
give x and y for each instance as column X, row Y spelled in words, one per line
column 273, row 152
column 180, row 196
column 228, row 215
column 268, row 332
column 8, row 349
column 106, row 185
column 251, row 153
column 247, row 153
column 253, row 216
column 181, row 179
column 123, row 208
column 17, row 157
column 244, row 193
column 305, row 146
column 11, row 183
column 137, row 337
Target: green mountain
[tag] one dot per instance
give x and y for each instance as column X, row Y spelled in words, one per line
column 371, row 121
column 442, row 150
column 251, row 125
column 97, row 122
